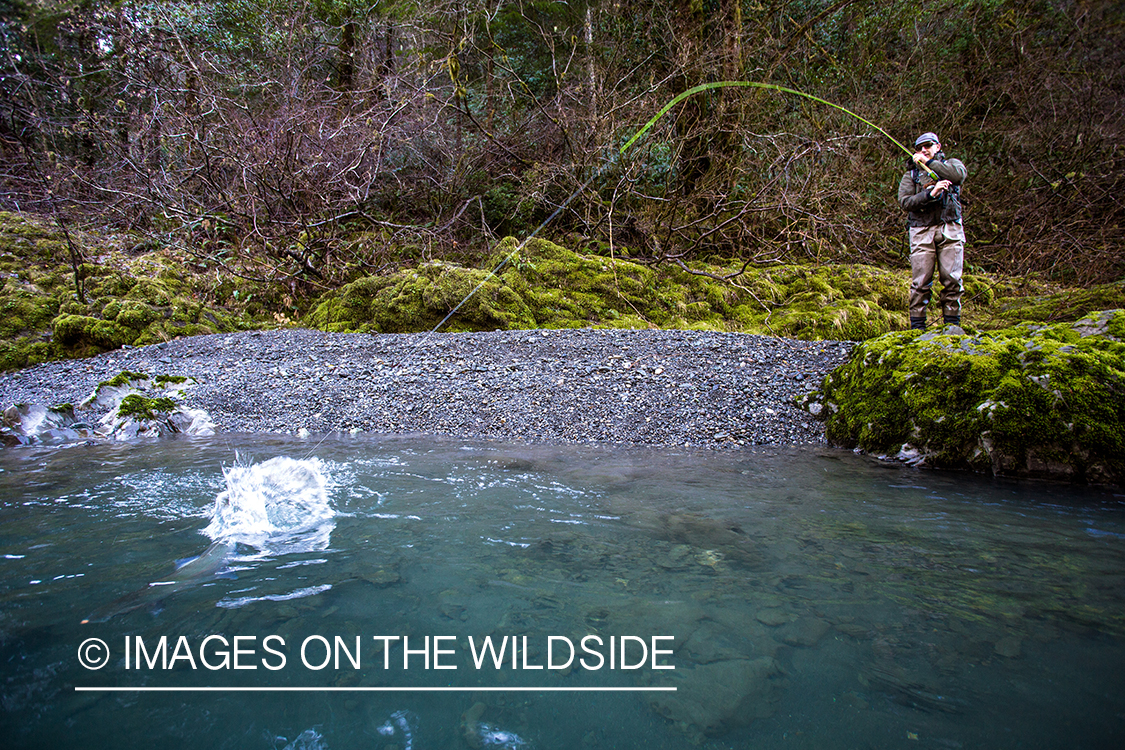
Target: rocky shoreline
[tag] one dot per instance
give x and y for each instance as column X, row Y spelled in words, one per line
column 642, row 387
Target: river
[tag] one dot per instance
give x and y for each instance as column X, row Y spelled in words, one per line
column 410, row 592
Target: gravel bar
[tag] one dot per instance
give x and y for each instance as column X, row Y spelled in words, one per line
column 647, row 387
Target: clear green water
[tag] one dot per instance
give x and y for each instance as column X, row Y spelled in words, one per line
column 816, row 599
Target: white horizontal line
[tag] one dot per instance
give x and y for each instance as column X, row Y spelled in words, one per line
column 144, row 689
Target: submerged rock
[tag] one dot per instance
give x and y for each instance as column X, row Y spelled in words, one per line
column 1009, row 646
column 1033, row 400
column 24, row 424
column 775, row 617
column 805, row 632
column 699, row 539
column 479, row 735
column 714, row 698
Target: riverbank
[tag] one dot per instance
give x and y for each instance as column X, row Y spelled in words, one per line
column 643, row 387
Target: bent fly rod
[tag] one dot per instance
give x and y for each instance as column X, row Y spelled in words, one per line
column 638, row 136
column 758, row 85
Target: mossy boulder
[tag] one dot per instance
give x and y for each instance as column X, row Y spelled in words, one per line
column 543, row 285
column 83, row 335
column 126, row 298
column 82, row 331
column 418, row 299
column 850, row 303
column 1005, row 304
column 565, row 289
column 1031, row 400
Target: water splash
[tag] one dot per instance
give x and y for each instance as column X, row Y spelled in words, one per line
column 495, row 737
column 310, row 739
column 401, row 725
column 279, row 506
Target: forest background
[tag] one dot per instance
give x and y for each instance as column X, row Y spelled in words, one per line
column 308, row 143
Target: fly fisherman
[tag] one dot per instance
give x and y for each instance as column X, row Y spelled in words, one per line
column 930, row 194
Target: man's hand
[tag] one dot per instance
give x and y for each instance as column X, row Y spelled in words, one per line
column 940, row 187
column 920, row 158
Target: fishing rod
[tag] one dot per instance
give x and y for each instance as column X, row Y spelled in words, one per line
column 638, row 136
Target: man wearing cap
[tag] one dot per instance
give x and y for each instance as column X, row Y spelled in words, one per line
column 937, row 237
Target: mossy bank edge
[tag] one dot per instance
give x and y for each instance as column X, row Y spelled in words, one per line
column 1014, row 396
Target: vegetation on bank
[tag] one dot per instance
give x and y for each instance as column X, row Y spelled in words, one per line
column 134, row 294
column 142, row 296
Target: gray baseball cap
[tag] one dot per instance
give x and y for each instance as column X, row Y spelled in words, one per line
column 932, row 137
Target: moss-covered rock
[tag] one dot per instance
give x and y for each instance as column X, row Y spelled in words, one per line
column 828, row 302
column 1032, row 400
column 544, row 285
column 82, row 335
column 1005, row 304
column 565, row 289
column 418, row 299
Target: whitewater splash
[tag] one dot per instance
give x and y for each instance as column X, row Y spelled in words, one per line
column 401, row 727
column 277, row 507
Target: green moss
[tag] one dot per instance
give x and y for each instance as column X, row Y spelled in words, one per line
column 415, row 300
column 14, row 226
column 22, row 311
column 110, row 285
column 140, row 407
column 81, row 335
column 160, row 380
column 138, row 292
column 111, row 310
column 125, row 377
column 51, row 249
column 547, row 286
column 24, row 352
column 129, row 299
column 152, row 292
column 135, row 315
column 564, row 289
column 1012, row 306
column 1028, row 400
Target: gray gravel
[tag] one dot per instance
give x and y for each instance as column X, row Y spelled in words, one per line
column 654, row 387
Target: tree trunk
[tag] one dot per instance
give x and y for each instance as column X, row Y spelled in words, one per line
column 345, row 77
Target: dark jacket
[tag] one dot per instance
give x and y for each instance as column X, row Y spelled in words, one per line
column 922, row 210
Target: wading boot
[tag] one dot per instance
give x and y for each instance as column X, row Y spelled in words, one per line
column 918, row 324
